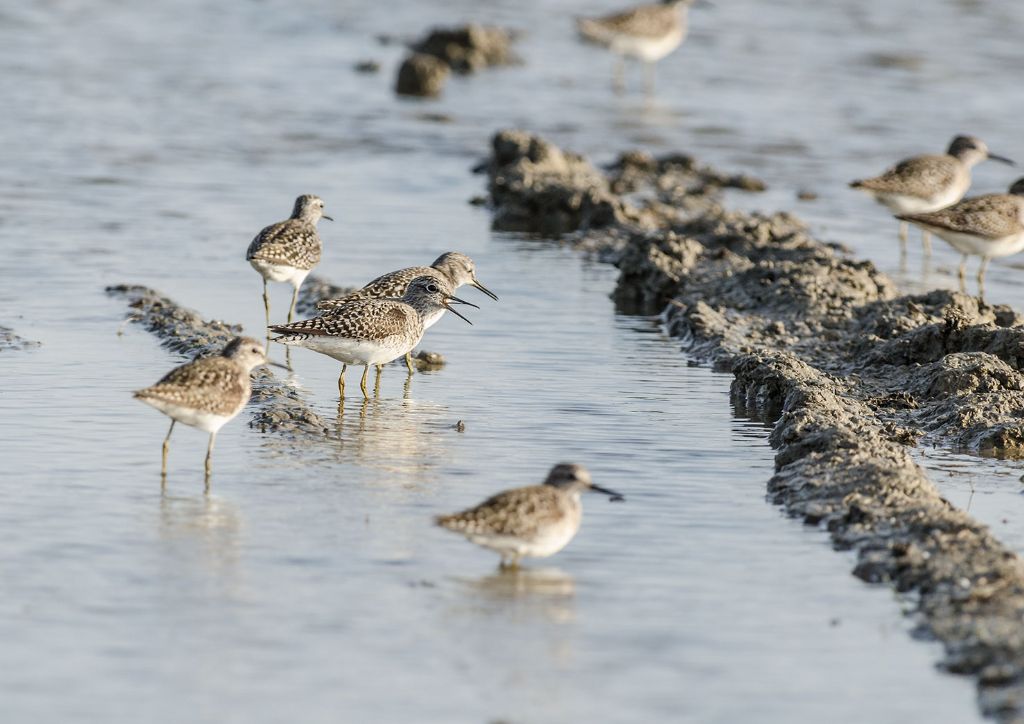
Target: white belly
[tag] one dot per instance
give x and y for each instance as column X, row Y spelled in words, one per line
column 205, row 421
column 902, row 204
column 280, row 272
column 648, row 49
column 991, row 248
column 549, row 541
column 358, row 351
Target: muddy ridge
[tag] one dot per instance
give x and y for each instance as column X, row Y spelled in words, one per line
column 850, row 372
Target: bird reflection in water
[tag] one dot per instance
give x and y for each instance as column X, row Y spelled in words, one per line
column 203, row 526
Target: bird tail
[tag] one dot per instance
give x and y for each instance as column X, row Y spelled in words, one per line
column 593, row 31
column 856, row 184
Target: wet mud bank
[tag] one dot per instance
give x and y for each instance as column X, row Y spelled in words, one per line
column 278, row 407
column 822, row 345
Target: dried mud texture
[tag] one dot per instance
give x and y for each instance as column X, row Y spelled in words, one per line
column 421, row 75
column 10, row 342
column 536, row 187
column 465, row 49
column 279, row 408
column 469, row 48
column 850, row 373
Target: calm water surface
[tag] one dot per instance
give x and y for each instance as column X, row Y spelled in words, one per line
column 147, row 143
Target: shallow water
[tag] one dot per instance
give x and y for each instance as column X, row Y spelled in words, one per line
column 147, row 144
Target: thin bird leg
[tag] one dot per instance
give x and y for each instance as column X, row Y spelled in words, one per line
column 619, row 74
column 376, row 383
column 926, row 241
column 904, row 232
column 962, row 274
column 649, row 79
column 295, row 299
column 341, row 381
column 981, row 277
column 167, row 447
column 209, row 455
column 408, row 362
column 266, row 304
column 362, row 382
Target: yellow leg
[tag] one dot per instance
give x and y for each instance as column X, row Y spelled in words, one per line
column 341, row 382
column 926, row 242
column 408, row 362
column 167, row 447
column 295, row 300
column 266, row 303
column 649, row 79
column 362, row 382
column 376, row 383
column 209, row 455
column 962, row 275
column 981, row 278
column 904, row 232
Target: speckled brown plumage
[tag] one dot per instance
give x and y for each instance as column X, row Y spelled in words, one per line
column 520, row 513
column 294, row 242
column 920, row 176
column 644, row 21
column 218, row 385
column 391, row 285
column 993, row 216
column 370, row 319
column 452, row 268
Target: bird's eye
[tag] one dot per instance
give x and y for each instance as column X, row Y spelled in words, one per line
column 431, row 288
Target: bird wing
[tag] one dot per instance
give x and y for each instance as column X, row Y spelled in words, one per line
column 369, row 319
column 919, row 176
column 643, row 21
column 390, row 285
column 292, row 242
column 518, row 512
column 993, row 216
column 210, row 384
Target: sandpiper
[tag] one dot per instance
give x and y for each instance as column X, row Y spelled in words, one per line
column 645, row 32
column 288, row 250
column 923, row 184
column 988, row 226
column 206, row 392
column 452, row 267
column 536, row 521
column 372, row 331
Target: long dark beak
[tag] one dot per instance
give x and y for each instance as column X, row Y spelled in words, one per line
column 271, row 363
column 476, row 283
column 612, row 495
column 1002, row 159
column 325, row 216
column 459, row 301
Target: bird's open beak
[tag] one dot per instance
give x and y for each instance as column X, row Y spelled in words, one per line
column 325, row 216
column 459, row 301
column 1002, row 159
column 476, row 283
column 612, row 495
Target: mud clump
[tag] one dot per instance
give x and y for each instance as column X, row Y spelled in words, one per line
column 11, row 342
column 464, row 50
column 536, row 187
column 279, row 408
column 823, row 346
column 469, row 48
column 421, row 75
